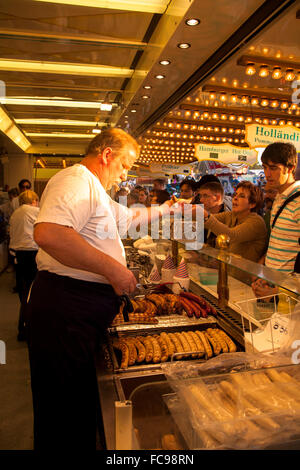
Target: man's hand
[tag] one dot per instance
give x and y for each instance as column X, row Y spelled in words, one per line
column 261, row 288
column 122, row 280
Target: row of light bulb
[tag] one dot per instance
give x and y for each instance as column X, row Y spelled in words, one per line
column 264, row 71
column 223, row 117
column 211, row 138
column 254, row 101
column 200, row 128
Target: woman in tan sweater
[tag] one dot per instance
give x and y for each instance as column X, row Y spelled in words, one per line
column 246, row 229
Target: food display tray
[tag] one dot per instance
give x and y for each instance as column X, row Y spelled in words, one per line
column 164, row 322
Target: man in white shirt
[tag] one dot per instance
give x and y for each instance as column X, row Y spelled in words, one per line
column 82, row 273
column 22, row 243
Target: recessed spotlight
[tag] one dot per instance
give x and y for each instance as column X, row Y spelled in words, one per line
column 192, row 22
column 145, row 97
column 164, row 62
column 183, row 45
column 133, row 110
column 147, row 87
column 159, row 77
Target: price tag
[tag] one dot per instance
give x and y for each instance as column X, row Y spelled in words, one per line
column 272, row 336
column 279, row 326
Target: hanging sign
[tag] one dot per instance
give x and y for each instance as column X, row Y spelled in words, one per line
column 258, row 135
column 226, row 153
column 165, row 169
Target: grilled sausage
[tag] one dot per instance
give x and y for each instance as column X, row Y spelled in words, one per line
column 207, row 347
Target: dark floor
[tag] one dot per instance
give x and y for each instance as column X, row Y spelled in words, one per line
column 16, row 418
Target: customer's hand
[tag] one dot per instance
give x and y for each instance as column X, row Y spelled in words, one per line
column 262, row 288
column 122, row 280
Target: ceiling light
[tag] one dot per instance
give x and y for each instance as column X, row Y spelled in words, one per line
column 40, row 163
column 54, row 103
column 254, row 101
column 145, row 97
column 183, row 45
column 264, row 102
column 289, row 75
column 250, row 69
column 223, row 97
column 105, row 107
column 96, row 130
column 277, row 73
column 59, row 134
column 149, row 6
column 65, row 68
column 245, row 99
column 192, row 22
column 56, row 122
column 263, row 71
column 147, row 87
column 164, row 62
column 274, row 104
column 234, row 98
column 284, row 105
column 133, row 110
column 159, row 77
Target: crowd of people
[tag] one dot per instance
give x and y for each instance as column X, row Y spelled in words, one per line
column 80, row 277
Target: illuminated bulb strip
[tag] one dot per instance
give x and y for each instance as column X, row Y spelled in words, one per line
column 60, row 135
column 149, row 6
column 58, row 122
column 8, row 127
column 58, row 103
column 62, row 68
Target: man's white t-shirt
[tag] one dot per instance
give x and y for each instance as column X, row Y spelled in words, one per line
column 21, row 228
column 75, row 198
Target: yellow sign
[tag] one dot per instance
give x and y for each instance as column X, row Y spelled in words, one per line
column 226, row 154
column 165, row 169
column 258, row 135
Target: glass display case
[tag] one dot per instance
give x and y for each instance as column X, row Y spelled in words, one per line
column 142, row 388
column 246, row 409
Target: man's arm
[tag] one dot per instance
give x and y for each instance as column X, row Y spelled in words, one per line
column 69, row 248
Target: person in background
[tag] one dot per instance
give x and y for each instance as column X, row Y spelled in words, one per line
column 211, row 195
column 132, row 198
column 246, row 229
column 25, row 249
column 159, row 196
column 187, row 189
column 210, row 179
column 23, row 185
column 121, row 193
column 13, row 195
column 159, row 183
column 269, row 197
column 279, row 161
column 144, row 197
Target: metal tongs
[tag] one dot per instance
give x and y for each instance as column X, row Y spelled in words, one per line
column 127, row 308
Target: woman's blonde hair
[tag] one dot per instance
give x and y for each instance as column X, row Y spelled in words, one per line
column 28, row 197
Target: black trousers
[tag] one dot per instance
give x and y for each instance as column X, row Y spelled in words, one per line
column 67, row 320
column 26, row 270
